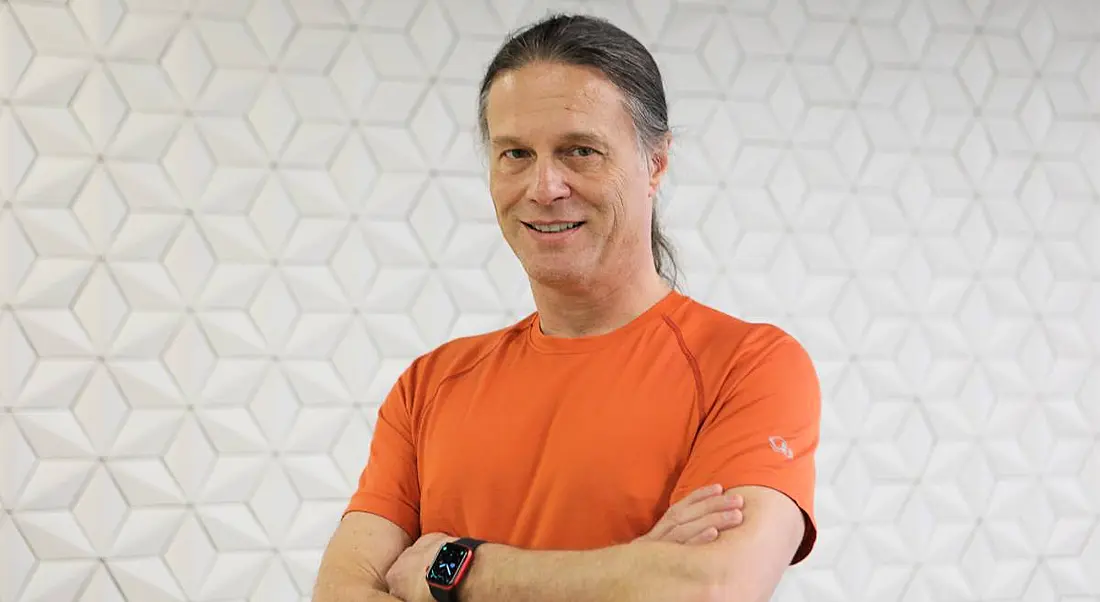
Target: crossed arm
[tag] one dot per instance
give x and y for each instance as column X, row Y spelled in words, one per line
column 743, row 564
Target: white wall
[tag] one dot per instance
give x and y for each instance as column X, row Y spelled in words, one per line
column 227, row 225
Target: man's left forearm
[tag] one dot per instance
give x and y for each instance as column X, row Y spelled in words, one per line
column 624, row 573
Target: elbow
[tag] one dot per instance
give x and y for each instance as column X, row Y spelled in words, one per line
column 725, row 591
column 721, row 582
column 718, row 588
column 712, row 582
column 710, row 592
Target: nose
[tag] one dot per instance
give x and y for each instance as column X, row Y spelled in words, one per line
column 548, row 182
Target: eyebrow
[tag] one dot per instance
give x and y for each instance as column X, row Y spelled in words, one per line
column 570, row 137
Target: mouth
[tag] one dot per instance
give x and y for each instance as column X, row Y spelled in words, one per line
column 553, row 228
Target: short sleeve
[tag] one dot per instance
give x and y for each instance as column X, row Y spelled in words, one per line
column 763, row 429
column 389, row 485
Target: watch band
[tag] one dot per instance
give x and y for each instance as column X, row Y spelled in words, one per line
column 443, row 595
column 469, row 542
column 451, row 595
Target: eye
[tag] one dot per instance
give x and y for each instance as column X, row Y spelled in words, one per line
column 583, row 151
column 514, row 153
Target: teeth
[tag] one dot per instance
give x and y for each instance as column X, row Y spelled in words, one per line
column 555, row 227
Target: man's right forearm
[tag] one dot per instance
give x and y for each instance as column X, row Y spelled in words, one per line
column 353, row 567
column 380, row 597
column 330, row 592
column 354, row 595
column 340, row 585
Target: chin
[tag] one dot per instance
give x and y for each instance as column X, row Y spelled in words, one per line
column 556, row 275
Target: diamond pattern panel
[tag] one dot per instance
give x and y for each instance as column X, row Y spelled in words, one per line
column 225, row 228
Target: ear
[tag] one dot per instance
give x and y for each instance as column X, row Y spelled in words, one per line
column 658, row 163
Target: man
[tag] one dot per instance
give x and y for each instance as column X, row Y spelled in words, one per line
column 622, row 443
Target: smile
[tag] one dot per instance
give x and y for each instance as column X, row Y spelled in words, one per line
column 554, row 228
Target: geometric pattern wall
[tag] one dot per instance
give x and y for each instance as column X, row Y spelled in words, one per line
column 226, row 226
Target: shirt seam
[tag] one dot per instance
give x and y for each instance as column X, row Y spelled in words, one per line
column 696, row 371
column 429, row 401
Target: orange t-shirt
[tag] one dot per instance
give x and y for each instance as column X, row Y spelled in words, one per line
column 539, row 442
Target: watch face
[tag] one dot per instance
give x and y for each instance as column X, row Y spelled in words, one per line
column 447, row 564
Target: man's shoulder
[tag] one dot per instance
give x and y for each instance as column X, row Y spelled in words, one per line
column 735, row 354
column 462, row 354
column 715, row 335
column 705, row 323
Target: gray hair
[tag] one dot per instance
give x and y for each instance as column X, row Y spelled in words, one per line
column 587, row 41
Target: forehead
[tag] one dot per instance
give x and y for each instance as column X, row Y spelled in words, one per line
column 552, row 96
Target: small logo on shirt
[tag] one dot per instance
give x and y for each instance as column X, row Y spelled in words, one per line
column 779, row 445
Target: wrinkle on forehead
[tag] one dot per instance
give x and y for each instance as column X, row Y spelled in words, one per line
column 550, row 87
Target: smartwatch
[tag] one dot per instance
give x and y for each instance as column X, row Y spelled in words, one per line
column 451, row 564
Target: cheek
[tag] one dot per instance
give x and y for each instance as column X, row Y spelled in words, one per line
column 620, row 195
column 502, row 195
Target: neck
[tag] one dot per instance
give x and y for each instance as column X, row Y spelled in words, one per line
column 596, row 309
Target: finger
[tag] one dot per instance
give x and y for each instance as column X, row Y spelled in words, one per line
column 669, row 520
column 705, row 536
column 681, row 515
column 700, row 494
column 736, row 497
column 659, row 531
column 720, row 521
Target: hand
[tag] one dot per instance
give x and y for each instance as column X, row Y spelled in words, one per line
column 407, row 576
column 699, row 517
